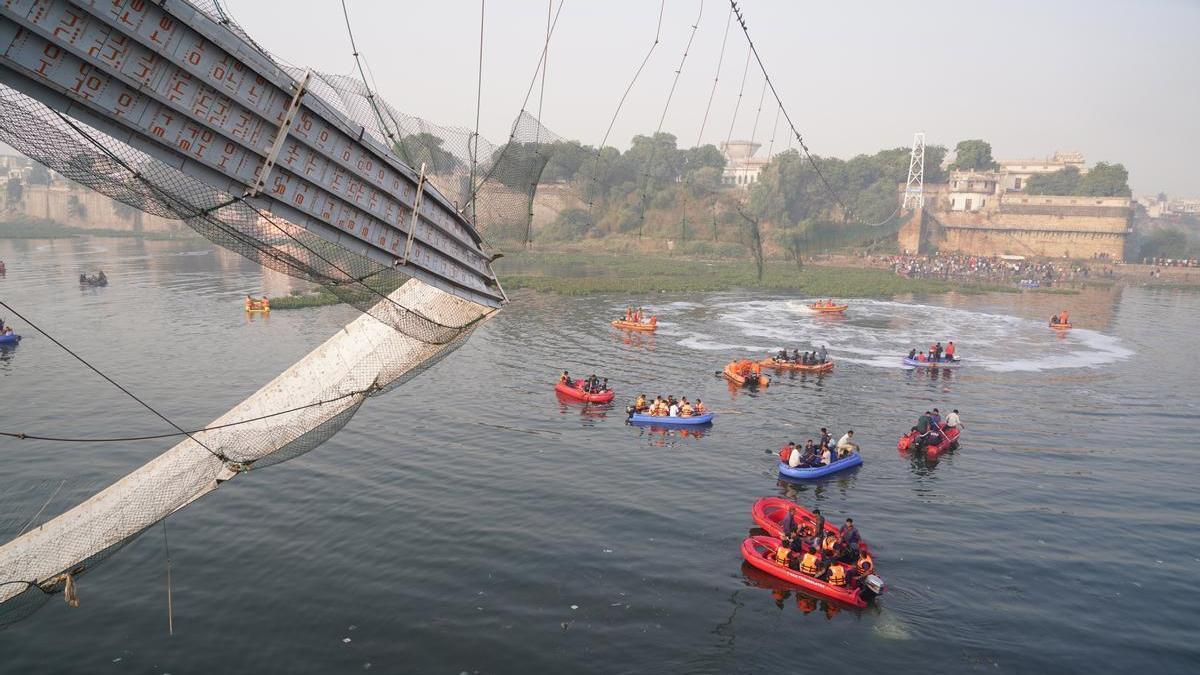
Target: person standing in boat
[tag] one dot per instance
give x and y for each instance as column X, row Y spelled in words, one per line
column 848, row 536
column 936, row 418
column 824, row 354
column 950, row 350
column 565, row 378
column 937, row 352
column 923, row 423
column 699, row 408
column 912, row 355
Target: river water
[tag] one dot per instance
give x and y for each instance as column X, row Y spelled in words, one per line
column 471, row 522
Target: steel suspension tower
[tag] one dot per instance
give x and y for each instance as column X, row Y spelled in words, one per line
column 914, row 190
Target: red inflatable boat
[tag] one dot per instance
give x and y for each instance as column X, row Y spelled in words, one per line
column 769, row 512
column 760, row 552
column 575, row 391
column 949, row 440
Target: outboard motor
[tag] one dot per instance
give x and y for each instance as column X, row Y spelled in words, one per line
column 873, row 584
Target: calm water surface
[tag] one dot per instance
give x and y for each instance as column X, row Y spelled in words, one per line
column 470, row 521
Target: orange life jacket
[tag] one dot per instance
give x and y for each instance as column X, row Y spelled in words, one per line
column 785, row 453
column 829, row 544
column 808, row 564
column 837, row 575
column 865, row 564
column 781, row 554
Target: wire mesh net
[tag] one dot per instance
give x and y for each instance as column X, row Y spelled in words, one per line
column 407, row 325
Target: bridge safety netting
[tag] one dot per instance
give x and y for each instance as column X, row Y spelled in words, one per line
column 406, row 326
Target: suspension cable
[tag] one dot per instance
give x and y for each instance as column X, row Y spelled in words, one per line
column 111, row 381
column 599, row 148
column 478, row 107
column 662, row 118
column 795, row 133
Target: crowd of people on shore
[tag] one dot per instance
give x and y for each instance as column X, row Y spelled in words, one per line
column 835, row 557
column 994, row 269
column 591, row 384
column 668, row 406
column 936, row 354
column 823, row 452
column 814, row 358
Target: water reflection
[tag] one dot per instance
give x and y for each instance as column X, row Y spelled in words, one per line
column 661, row 435
column 586, row 410
column 782, row 591
column 636, row 339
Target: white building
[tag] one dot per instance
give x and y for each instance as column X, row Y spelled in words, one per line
column 742, row 168
column 1016, row 172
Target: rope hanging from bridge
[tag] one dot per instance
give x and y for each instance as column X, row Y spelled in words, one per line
column 662, row 118
column 637, row 73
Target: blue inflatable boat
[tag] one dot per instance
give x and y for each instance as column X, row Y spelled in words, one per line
column 932, row 364
column 706, row 418
column 850, row 462
column 10, row 339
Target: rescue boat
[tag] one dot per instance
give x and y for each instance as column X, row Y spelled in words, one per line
column 693, row 420
column 949, row 439
column 849, row 462
column 760, row 551
column 742, row 373
column 796, row 367
column 11, row 339
column 1060, row 326
column 258, row 306
column 641, row 326
column 828, row 309
column 944, row 363
column 575, row 391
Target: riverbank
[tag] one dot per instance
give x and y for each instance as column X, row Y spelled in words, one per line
column 49, row 229
column 585, row 274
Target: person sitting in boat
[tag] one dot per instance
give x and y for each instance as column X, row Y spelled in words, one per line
column 8, row 330
column 673, row 409
column 795, row 457
column 922, row 429
column 796, row 355
column 936, row 418
column 1063, row 318
column 686, row 409
column 912, row 355
column 782, row 356
column 828, row 456
column 604, row 385
column 952, row 420
column 921, row 357
column 699, row 408
column 810, row 455
column 813, row 563
column 639, row 404
column 950, row 350
column 565, row 378
column 846, row 444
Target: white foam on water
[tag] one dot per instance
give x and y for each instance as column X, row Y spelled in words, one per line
column 879, row 333
column 706, row 343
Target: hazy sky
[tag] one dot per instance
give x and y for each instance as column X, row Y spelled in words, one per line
column 1118, row 81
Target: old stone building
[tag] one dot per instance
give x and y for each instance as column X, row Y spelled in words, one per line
column 987, row 213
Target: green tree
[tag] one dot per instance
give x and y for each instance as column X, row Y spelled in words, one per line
column 1105, row 180
column 1164, row 243
column 570, row 225
column 39, row 175
column 426, row 148
column 76, row 208
column 973, row 155
column 14, row 191
column 1062, row 182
